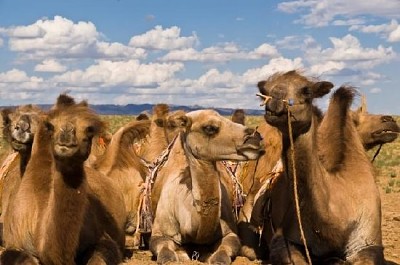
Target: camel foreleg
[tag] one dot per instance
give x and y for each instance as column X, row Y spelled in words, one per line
column 164, row 249
column 372, row 255
column 17, row 257
column 283, row 252
column 227, row 250
column 106, row 252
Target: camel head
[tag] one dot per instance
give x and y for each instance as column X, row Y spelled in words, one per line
column 239, row 116
column 294, row 92
column 375, row 129
column 171, row 122
column 20, row 126
column 213, row 137
column 73, row 127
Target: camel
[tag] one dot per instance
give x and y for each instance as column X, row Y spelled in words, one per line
column 191, row 207
column 165, row 125
column 19, row 127
column 239, row 116
column 121, row 163
column 374, row 130
column 332, row 174
column 64, row 212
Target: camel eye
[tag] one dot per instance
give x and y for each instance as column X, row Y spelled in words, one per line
column 210, row 130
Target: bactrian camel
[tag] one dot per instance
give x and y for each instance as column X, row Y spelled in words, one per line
column 191, row 206
column 374, row 130
column 63, row 212
column 19, row 127
column 333, row 174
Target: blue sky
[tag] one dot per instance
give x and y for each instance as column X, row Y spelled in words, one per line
column 208, row 53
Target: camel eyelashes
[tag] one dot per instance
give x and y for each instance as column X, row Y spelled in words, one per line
column 210, row 130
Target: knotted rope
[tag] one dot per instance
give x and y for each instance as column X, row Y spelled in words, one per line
column 288, row 104
column 237, row 187
column 145, row 215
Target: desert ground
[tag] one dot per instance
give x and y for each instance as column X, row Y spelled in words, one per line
column 387, row 168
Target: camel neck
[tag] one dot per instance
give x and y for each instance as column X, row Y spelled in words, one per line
column 206, row 191
column 65, row 212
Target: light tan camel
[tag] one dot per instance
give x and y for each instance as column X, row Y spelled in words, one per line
column 192, row 206
column 63, row 212
column 333, row 175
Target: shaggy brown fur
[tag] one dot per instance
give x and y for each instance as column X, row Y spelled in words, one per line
column 333, row 173
column 192, row 205
column 63, row 212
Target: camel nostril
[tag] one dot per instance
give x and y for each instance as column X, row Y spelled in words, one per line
column 387, row 118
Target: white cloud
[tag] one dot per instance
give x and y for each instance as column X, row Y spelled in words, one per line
column 321, row 13
column 375, row 90
column 50, row 65
column 390, row 31
column 1, row 42
column 62, row 38
column 163, row 39
column 349, row 50
column 222, row 53
column 107, row 74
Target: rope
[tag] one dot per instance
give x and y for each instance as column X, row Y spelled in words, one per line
column 376, row 153
column 295, row 190
column 238, row 189
column 146, row 216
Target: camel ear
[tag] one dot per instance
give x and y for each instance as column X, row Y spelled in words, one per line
column 322, row 88
column 261, row 85
column 5, row 114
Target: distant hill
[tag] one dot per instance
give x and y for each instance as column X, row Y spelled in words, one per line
column 136, row 109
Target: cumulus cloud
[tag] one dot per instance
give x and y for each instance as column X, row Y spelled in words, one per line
column 390, row 31
column 222, row 53
column 375, row 90
column 322, row 13
column 163, row 39
column 50, row 65
column 62, row 38
column 106, row 74
column 348, row 50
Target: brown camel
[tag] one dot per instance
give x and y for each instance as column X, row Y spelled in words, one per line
column 193, row 208
column 374, row 130
column 121, row 163
column 63, row 212
column 165, row 125
column 333, row 175
column 239, row 116
column 19, row 127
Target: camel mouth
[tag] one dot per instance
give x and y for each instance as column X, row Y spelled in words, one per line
column 387, row 134
column 65, row 150
column 251, row 151
column 18, row 146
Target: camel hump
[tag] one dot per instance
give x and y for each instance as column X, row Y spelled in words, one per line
column 160, row 110
column 344, row 95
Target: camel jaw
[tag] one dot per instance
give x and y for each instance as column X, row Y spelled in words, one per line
column 250, row 151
